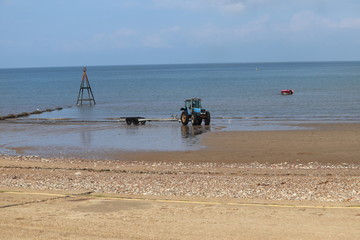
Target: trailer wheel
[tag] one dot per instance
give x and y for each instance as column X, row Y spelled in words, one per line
column 128, row 121
column 136, row 121
column 184, row 118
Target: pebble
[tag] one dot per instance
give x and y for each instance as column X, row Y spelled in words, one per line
column 282, row 181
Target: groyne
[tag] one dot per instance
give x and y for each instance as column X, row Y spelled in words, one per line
column 25, row 114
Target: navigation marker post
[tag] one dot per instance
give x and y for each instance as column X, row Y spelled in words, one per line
column 85, row 85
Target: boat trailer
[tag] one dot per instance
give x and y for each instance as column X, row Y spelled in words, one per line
column 142, row 120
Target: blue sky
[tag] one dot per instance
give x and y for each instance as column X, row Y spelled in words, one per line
column 40, row 33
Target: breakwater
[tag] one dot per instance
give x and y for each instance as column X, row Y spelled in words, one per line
column 25, row 114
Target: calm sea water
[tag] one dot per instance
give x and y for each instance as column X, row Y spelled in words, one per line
column 242, row 97
column 324, row 91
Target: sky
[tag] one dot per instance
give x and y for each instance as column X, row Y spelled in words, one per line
column 44, row 33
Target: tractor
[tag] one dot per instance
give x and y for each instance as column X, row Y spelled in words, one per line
column 194, row 112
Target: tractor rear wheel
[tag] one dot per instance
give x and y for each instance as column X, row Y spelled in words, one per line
column 184, row 118
column 207, row 119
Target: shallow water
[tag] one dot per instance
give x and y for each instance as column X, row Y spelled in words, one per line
column 98, row 139
column 95, row 140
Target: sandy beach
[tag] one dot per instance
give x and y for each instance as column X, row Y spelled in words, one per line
column 302, row 184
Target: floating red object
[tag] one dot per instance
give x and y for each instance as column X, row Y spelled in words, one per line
column 287, row 92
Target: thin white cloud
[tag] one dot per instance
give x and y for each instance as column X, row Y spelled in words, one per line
column 118, row 39
column 127, row 39
column 308, row 20
column 218, row 35
column 163, row 38
column 349, row 23
column 155, row 41
column 183, row 4
column 231, row 6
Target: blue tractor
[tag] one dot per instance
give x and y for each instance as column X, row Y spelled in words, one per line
column 194, row 112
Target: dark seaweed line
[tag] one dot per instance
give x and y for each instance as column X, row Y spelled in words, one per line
column 25, row 114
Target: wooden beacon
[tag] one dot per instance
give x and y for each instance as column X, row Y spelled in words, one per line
column 85, row 85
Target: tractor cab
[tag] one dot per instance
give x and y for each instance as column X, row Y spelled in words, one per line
column 193, row 104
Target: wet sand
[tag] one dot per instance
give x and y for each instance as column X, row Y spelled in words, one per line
column 322, row 143
column 244, row 185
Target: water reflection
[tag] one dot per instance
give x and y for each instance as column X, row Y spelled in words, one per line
column 86, row 137
column 192, row 131
column 132, row 130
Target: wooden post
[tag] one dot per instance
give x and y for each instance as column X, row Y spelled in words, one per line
column 85, row 85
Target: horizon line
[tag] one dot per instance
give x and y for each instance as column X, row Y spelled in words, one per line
column 199, row 63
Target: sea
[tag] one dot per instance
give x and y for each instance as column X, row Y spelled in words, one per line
column 239, row 96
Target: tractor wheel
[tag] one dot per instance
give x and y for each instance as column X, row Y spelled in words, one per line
column 194, row 120
column 184, row 118
column 207, row 119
